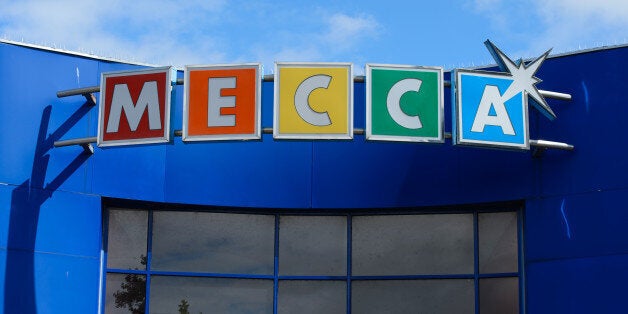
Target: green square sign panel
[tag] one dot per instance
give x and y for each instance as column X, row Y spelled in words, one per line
column 404, row 103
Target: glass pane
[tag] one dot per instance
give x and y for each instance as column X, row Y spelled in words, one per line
column 309, row 296
column 413, row 296
column 210, row 295
column 126, row 293
column 499, row 295
column 313, row 245
column 498, row 242
column 213, row 242
column 412, row 244
column 126, row 240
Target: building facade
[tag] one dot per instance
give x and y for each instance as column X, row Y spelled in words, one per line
column 318, row 226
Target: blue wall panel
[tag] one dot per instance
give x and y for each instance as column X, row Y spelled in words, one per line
column 5, row 213
column 42, row 220
column 590, row 224
column 377, row 174
column 359, row 174
column 70, row 223
column 130, row 172
column 61, row 278
column 3, row 282
column 58, row 284
column 256, row 174
column 587, row 285
column 33, row 117
column 593, row 121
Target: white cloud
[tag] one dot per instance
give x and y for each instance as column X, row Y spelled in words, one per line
column 146, row 30
column 605, row 11
column 330, row 37
column 345, row 32
column 566, row 25
column 189, row 32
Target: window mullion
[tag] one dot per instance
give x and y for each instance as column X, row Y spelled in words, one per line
column 476, row 262
column 276, row 265
column 149, row 256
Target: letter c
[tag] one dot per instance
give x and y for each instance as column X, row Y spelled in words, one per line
column 394, row 107
column 302, row 103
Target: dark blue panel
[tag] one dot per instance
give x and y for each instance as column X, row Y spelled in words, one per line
column 51, row 283
column 588, row 224
column 267, row 104
column 5, row 213
column 587, row 285
column 34, row 117
column 359, row 105
column 3, row 265
column 494, row 175
column 593, row 121
column 256, row 174
column 378, row 174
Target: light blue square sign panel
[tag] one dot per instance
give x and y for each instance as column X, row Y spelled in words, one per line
column 488, row 112
column 491, row 108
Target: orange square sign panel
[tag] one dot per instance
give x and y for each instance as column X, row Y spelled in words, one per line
column 222, row 102
column 134, row 107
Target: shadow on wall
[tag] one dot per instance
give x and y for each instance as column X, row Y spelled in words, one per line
column 26, row 202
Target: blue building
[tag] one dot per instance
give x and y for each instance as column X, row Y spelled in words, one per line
column 309, row 226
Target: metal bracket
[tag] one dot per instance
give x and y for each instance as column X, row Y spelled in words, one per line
column 91, row 99
column 540, row 146
column 85, row 143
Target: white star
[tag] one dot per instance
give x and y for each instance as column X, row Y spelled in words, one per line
column 523, row 78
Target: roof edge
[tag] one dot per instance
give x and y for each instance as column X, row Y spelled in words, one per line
column 73, row 53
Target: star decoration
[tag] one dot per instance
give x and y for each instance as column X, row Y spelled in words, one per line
column 524, row 79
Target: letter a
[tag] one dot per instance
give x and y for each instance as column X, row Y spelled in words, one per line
column 492, row 98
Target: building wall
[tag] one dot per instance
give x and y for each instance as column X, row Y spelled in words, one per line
column 576, row 245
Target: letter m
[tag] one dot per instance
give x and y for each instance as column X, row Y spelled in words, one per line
column 121, row 100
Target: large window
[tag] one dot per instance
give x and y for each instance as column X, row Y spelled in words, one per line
column 162, row 259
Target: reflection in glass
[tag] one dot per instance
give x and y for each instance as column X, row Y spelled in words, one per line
column 213, row 242
column 413, row 296
column 412, row 244
column 499, row 295
column 497, row 234
column 126, row 293
column 310, row 296
column 210, row 295
column 313, row 245
column 126, row 240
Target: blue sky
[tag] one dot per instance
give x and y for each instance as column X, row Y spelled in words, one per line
column 430, row 33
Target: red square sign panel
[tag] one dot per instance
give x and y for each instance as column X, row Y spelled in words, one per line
column 134, row 107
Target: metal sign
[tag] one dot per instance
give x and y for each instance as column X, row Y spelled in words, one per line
column 491, row 108
column 313, row 101
column 135, row 107
column 404, row 103
column 222, row 102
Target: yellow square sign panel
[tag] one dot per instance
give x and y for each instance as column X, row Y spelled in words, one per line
column 313, row 101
